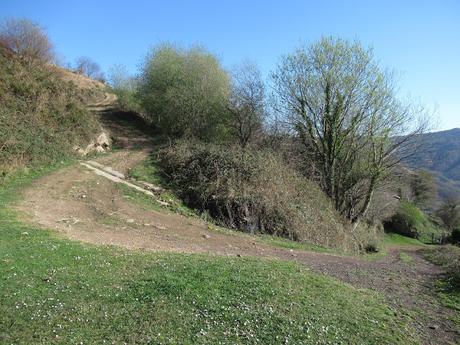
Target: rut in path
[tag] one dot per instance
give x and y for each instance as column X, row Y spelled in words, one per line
column 84, row 206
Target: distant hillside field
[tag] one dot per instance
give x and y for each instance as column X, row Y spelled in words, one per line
column 439, row 153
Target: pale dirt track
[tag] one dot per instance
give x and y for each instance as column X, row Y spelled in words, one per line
column 86, row 207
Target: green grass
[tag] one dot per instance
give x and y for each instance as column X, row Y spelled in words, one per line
column 391, row 239
column 406, row 258
column 147, row 171
column 54, row 290
column 409, row 219
column 448, row 288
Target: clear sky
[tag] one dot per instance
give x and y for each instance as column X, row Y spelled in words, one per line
column 420, row 39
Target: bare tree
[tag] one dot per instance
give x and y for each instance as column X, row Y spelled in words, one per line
column 89, row 68
column 345, row 110
column 27, row 39
column 247, row 102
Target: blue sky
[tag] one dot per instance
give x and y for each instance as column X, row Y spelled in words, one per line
column 419, row 39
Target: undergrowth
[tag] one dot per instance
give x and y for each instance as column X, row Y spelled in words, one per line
column 253, row 191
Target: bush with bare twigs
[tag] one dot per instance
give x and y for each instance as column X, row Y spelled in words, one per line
column 253, row 191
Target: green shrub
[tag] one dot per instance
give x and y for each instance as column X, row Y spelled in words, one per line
column 185, row 92
column 41, row 116
column 253, row 191
column 410, row 221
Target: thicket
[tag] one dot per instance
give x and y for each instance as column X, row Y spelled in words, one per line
column 41, row 116
column 254, row 191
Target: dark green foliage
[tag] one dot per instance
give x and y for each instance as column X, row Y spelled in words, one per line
column 41, row 117
column 253, row 191
column 410, row 221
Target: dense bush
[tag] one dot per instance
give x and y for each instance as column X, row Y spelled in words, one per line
column 185, row 92
column 410, row 221
column 253, row 191
column 41, row 116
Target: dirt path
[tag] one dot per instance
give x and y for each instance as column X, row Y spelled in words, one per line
column 84, row 206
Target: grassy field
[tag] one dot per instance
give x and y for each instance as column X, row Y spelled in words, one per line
column 57, row 291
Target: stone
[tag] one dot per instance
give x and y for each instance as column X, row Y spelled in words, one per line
column 150, row 186
column 99, row 149
column 103, row 140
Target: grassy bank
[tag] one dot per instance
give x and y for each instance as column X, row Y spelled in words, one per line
column 58, row 291
column 42, row 116
column 448, row 288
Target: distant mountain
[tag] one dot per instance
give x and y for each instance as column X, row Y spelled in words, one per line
column 439, row 153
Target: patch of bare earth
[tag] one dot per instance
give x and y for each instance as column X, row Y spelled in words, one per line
column 86, row 207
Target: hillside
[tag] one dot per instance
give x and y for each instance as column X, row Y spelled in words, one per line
column 44, row 115
column 439, row 153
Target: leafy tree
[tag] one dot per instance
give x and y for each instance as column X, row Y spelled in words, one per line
column 247, row 102
column 185, row 92
column 26, row 38
column 424, row 189
column 345, row 110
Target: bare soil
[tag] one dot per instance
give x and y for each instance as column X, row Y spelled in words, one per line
column 86, row 207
